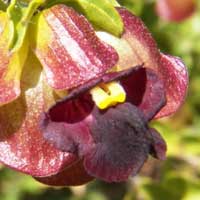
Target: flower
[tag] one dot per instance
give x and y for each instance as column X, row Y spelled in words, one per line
column 113, row 142
column 86, row 115
column 175, row 10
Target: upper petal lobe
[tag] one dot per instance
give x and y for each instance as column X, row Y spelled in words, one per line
column 71, row 53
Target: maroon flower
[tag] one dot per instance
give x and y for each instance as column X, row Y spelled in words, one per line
column 175, row 10
column 115, row 87
column 114, row 142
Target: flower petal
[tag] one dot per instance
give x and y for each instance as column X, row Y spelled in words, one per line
column 175, row 76
column 175, row 10
column 145, row 90
column 64, row 125
column 122, row 143
column 159, row 146
column 22, row 145
column 142, row 86
column 113, row 143
column 136, row 46
column 71, row 176
column 64, row 42
column 11, row 63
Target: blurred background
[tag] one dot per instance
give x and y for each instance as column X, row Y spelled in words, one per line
column 177, row 178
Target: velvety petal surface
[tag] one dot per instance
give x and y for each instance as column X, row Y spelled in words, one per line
column 121, row 143
column 68, row 48
column 22, row 145
column 114, row 143
column 175, row 10
column 65, row 124
column 175, row 76
column 71, row 176
column 11, row 63
column 159, row 146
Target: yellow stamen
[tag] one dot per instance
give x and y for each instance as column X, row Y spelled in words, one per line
column 100, row 97
column 107, row 95
column 117, row 92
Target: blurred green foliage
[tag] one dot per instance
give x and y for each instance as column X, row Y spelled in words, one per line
column 177, row 178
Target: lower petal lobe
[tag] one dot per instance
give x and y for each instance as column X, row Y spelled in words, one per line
column 73, row 175
column 122, row 143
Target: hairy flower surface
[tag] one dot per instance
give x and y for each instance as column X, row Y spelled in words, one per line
column 76, row 100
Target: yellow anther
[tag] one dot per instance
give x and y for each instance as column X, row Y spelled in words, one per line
column 107, row 95
column 117, row 92
column 100, row 97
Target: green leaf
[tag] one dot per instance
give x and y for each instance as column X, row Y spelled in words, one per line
column 135, row 6
column 19, row 18
column 193, row 191
column 114, row 2
column 101, row 13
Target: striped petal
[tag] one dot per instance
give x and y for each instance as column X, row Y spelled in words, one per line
column 22, row 145
column 175, row 76
column 70, row 52
column 11, row 63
